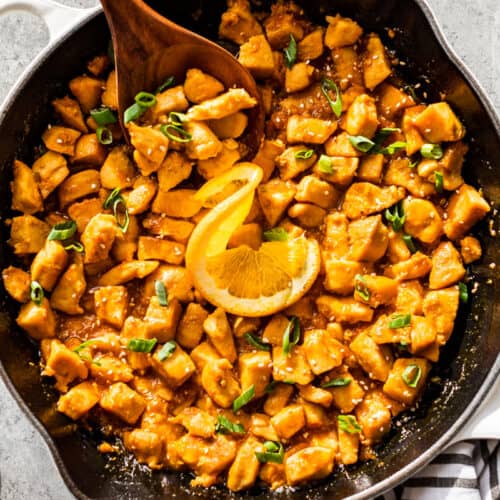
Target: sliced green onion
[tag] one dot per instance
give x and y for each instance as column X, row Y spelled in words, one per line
column 411, row 90
column 275, row 234
column 274, row 453
column 141, row 345
column 348, row 423
column 387, row 131
column 133, row 113
column 336, row 105
column 291, row 52
column 145, row 99
column 399, row 321
column 409, row 243
column 325, row 164
column 83, row 345
column 411, row 375
column 62, row 231
column 167, row 350
column 413, row 164
column 112, row 197
column 183, row 136
column 393, row 148
column 397, row 217
column 438, row 181
column 361, row 143
column 272, row 385
column 122, row 219
column 225, row 426
column 177, row 118
column 431, row 151
column 103, row 116
column 304, row 154
column 337, row 382
column 104, row 136
column 361, row 287
column 74, row 245
column 161, row 293
column 166, row 84
column 36, row 293
column 256, row 342
column 463, row 292
column 291, row 336
column 244, row 398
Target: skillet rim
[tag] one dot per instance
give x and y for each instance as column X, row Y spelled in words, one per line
column 417, row 464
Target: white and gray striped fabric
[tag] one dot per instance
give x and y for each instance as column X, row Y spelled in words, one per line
column 469, row 470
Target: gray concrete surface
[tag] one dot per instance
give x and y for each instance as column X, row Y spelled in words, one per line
column 26, row 468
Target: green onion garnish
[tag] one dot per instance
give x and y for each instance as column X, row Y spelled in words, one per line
column 325, row 164
column 431, row 151
column 463, row 292
column 348, row 423
column 256, row 342
column 141, row 345
column 104, row 136
column 177, row 118
column 83, row 345
column 225, row 426
column 409, row 243
column 438, row 181
column 291, row 336
column 161, row 293
column 411, row 375
column 397, row 217
column 145, row 99
column 112, row 197
column 122, row 218
column 74, row 245
column 244, row 398
column 304, row 154
column 62, row 231
column 133, row 113
column 167, row 350
column 291, row 52
column 336, row 105
column 385, row 132
column 413, row 164
column 166, row 84
column 361, row 143
column 393, row 148
column 361, row 287
column 337, row 382
column 399, row 321
column 103, row 116
column 36, row 293
column 183, row 135
column 274, row 453
column 275, row 234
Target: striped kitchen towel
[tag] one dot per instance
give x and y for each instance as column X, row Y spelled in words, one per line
column 469, row 470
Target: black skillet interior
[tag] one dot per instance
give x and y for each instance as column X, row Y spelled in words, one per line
column 464, row 363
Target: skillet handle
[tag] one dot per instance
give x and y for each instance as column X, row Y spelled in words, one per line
column 59, row 19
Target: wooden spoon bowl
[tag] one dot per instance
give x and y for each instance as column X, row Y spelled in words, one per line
column 149, row 48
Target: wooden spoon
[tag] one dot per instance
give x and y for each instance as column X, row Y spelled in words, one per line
column 149, row 48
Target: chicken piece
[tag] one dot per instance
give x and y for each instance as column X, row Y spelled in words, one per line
column 410, row 296
column 247, row 234
column 89, row 151
column 98, row 64
column 172, row 99
column 348, row 446
column 266, row 157
column 315, row 395
column 255, row 369
column 465, row 208
column 124, row 248
column 347, row 397
column 79, row 400
column 309, row 130
column 376, row 64
column 219, row 382
column 175, row 369
column 274, row 197
column 17, row 283
column 422, row 220
column 313, row 462
column 127, row 271
column 290, row 166
column 218, row 330
column 238, row 24
column 273, row 475
column 204, row 143
column 368, row 238
column 399, row 173
column 274, row 330
column 379, row 290
column 25, row 193
column 111, row 304
column 336, row 236
column 139, row 199
column 343, row 309
column 81, row 212
column 397, row 250
column 393, row 100
column 158, row 249
column 307, row 215
column 376, row 360
column 341, row 31
column 323, row 352
column 176, row 279
column 423, row 334
column 361, row 117
column 381, row 333
column 447, row 267
column 289, row 421
column 70, row 289
column 117, row 170
column 48, row 264
column 451, row 164
column 98, row 237
column 110, row 95
column 313, row 190
column 340, row 273
column 200, row 86
column 70, row 113
column 151, row 143
column 79, row 185
column 470, row 249
column 161, row 321
column 123, row 402
column 244, row 470
column 340, row 145
column 438, row 123
column 178, row 230
column 61, row 139
column 147, row 446
column 278, row 398
column 229, row 127
column 256, row 55
column 292, row 366
column 284, row 21
column 222, row 162
column 38, row 321
column 197, row 422
column 417, row 266
column 311, row 46
column 50, row 170
column 363, row 198
column 340, row 170
column 413, row 138
column 441, row 307
column 173, row 170
column 190, row 327
column 87, row 90
column 204, row 354
column 226, row 104
column 415, row 370
column 298, row 77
